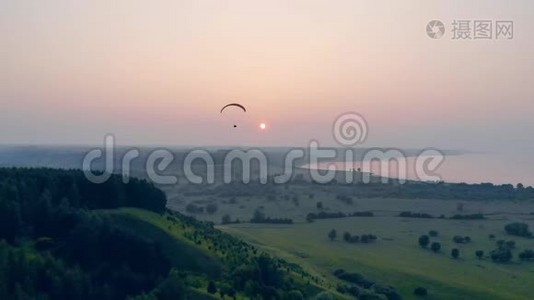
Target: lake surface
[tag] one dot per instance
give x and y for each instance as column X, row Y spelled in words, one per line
column 497, row 168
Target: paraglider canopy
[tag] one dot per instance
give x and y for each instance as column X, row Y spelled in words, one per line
column 234, row 104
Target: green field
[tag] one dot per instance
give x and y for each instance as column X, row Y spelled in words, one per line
column 282, row 205
column 397, row 259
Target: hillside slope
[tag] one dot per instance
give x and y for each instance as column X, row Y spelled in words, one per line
column 64, row 238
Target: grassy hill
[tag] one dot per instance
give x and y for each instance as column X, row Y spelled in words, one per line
column 396, row 257
column 201, row 250
column 62, row 237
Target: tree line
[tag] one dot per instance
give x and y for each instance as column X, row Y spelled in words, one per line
column 335, row 215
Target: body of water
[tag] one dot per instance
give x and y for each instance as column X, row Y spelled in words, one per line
column 497, row 168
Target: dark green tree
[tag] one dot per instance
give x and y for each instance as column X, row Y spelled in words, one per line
column 424, row 240
column 212, row 288
column 226, row 219
column 211, row 208
column 420, row 291
column 455, row 253
column 501, row 255
column 231, row 293
column 435, row 246
column 526, row 255
column 518, row 229
column 332, row 234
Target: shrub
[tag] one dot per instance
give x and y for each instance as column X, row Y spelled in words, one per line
column 367, row 238
column 505, row 245
column 433, row 233
column 420, row 291
column 226, row 219
column 211, row 208
column 501, row 255
column 354, row 278
column 212, row 289
column 388, row 291
column 526, row 255
column 424, row 240
column 455, row 253
column 194, row 209
column 436, row 247
column 332, row 234
column 353, row 290
column 458, row 239
column 518, row 229
column 355, row 239
column 258, row 217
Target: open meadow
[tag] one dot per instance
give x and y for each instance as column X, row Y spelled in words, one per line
column 397, row 259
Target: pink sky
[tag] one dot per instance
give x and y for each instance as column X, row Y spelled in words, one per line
column 158, row 74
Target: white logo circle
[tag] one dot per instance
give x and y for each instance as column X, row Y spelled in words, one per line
column 350, row 129
column 435, row 29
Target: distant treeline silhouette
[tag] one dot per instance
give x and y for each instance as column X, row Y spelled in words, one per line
column 468, row 217
column 335, row 215
column 259, row 217
column 409, row 214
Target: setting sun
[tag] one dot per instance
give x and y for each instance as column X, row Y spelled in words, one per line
column 263, row 126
